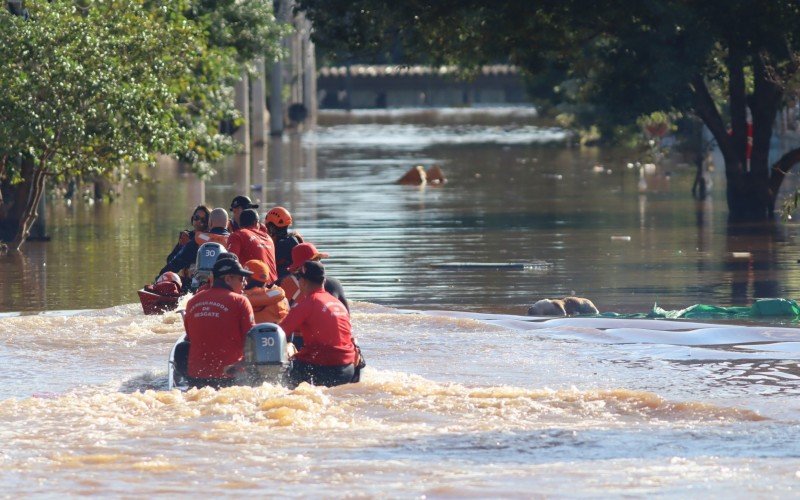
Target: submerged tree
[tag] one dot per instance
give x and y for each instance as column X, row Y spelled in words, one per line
column 91, row 88
column 720, row 60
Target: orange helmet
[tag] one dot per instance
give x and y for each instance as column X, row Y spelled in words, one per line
column 169, row 276
column 280, row 217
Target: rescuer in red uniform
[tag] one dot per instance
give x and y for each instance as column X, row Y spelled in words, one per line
column 217, row 321
column 249, row 242
column 328, row 355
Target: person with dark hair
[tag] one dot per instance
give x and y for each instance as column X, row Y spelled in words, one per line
column 302, row 253
column 250, row 243
column 278, row 220
column 238, row 205
column 216, row 322
column 187, row 255
column 328, row 354
column 199, row 223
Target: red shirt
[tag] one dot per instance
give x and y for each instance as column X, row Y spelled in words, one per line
column 250, row 243
column 216, row 323
column 325, row 325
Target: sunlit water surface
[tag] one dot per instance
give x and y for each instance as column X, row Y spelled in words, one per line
column 462, row 396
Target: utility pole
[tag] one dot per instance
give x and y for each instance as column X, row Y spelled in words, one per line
column 276, row 109
column 259, row 136
column 309, row 74
column 241, row 162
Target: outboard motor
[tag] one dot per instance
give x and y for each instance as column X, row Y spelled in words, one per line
column 207, row 255
column 265, row 357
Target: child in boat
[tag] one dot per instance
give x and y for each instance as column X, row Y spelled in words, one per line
column 268, row 300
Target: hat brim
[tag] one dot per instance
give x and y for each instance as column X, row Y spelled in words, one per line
column 237, row 272
column 319, row 255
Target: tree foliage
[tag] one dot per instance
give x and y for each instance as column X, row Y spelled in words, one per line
column 90, row 87
column 713, row 58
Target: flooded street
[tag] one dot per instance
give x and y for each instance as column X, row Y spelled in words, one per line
column 515, row 194
column 463, row 395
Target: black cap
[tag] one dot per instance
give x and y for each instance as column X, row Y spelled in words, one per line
column 248, row 218
column 242, row 202
column 312, row 271
column 228, row 265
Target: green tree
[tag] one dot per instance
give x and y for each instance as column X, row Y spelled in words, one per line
column 89, row 88
column 714, row 59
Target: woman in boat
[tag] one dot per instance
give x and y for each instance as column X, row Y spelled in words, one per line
column 186, row 256
column 199, row 223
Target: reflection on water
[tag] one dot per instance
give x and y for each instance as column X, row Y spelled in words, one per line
column 515, row 193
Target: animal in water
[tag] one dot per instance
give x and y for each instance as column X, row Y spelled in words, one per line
column 547, row 307
column 579, row 305
column 435, row 175
column 568, row 306
column 415, row 176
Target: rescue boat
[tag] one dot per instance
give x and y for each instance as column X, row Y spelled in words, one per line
column 153, row 303
column 265, row 360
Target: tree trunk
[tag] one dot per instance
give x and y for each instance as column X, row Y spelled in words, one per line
column 14, row 200
column 779, row 171
column 749, row 190
column 29, row 209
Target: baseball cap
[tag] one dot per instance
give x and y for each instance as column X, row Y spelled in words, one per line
column 228, row 265
column 242, row 202
column 302, row 253
column 259, row 270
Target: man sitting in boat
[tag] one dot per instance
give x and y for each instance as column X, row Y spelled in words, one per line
column 278, row 220
column 268, row 301
column 218, row 221
column 238, row 205
column 302, row 253
column 328, row 355
column 251, row 243
column 216, row 322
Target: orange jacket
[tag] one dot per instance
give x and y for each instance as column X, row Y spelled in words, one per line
column 269, row 304
column 201, row 238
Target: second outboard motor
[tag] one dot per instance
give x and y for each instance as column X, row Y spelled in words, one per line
column 265, row 357
column 206, row 257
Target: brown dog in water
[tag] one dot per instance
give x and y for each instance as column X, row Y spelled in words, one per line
column 417, row 176
column 568, row 306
